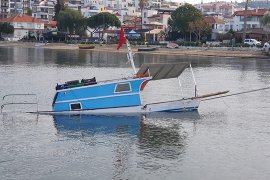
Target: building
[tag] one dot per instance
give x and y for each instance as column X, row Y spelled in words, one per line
column 4, row 8
column 225, row 8
column 25, row 26
column 13, row 7
column 217, row 26
column 253, row 19
column 43, row 10
column 91, row 10
column 118, row 4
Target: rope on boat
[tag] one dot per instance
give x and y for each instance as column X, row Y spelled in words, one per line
column 235, row 94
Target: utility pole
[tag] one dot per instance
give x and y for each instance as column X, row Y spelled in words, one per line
column 245, row 22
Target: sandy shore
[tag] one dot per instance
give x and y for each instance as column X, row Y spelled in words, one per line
column 182, row 51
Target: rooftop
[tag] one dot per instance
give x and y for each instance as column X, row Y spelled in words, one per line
column 211, row 19
column 21, row 18
column 254, row 12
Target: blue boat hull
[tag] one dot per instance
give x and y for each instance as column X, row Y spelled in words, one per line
column 124, row 93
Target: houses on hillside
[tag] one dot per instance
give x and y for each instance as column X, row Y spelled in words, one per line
column 220, row 15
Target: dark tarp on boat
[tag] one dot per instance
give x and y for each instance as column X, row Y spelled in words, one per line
column 162, row 70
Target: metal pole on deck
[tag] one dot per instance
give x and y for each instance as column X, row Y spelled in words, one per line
column 179, row 81
column 130, row 56
column 196, row 90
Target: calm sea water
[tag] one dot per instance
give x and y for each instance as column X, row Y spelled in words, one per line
column 227, row 138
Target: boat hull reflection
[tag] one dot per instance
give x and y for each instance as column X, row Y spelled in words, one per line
column 98, row 124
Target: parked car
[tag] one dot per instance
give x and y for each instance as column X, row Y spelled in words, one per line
column 252, row 42
column 1, row 38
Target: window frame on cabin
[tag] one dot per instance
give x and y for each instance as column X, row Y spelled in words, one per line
column 117, row 91
column 70, row 106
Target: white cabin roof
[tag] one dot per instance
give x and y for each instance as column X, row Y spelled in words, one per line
column 162, row 70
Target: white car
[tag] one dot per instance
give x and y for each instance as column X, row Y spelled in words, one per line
column 266, row 47
column 252, row 42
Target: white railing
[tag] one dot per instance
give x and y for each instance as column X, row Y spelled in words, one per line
column 6, row 101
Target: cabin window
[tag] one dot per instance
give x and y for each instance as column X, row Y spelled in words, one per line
column 123, row 87
column 75, row 106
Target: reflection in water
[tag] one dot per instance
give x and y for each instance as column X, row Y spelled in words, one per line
column 163, row 136
column 133, row 125
column 159, row 135
column 124, row 128
column 97, row 124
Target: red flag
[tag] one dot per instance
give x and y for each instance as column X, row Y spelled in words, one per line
column 122, row 38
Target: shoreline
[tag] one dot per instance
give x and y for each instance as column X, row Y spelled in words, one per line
column 225, row 52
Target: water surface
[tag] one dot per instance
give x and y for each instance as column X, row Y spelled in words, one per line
column 226, row 139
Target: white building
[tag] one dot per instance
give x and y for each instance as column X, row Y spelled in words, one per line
column 43, row 10
column 91, row 10
column 253, row 19
column 225, row 8
column 148, row 13
column 217, row 26
column 154, row 4
column 24, row 25
column 117, row 4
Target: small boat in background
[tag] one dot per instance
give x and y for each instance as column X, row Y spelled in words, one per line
column 86, row 46
column 40, row 44
column 150, row 48
column 172, row 45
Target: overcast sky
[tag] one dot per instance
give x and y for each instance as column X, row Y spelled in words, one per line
column 199, row 1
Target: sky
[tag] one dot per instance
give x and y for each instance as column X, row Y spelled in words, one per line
column 199, row 1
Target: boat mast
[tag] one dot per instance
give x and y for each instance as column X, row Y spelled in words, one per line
column 130, row 56
column 195, row 84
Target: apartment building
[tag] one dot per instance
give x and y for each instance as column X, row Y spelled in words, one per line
column 13, row 7
column 43, row 10
column 225, row 8
column 91, row 10
column 4, row 8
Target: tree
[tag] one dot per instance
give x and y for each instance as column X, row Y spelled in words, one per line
column 71, row 21
column 59, row 6
column 245, row 22
column 6, row 28
column 182, row 16
column 101, row 22
column 142, row 5
column 199, row 27
column 266, row 19
column 28, row 11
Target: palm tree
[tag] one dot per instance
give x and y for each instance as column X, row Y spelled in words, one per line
column 142, row 5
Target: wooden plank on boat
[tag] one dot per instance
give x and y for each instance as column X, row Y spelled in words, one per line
column 210, row 95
